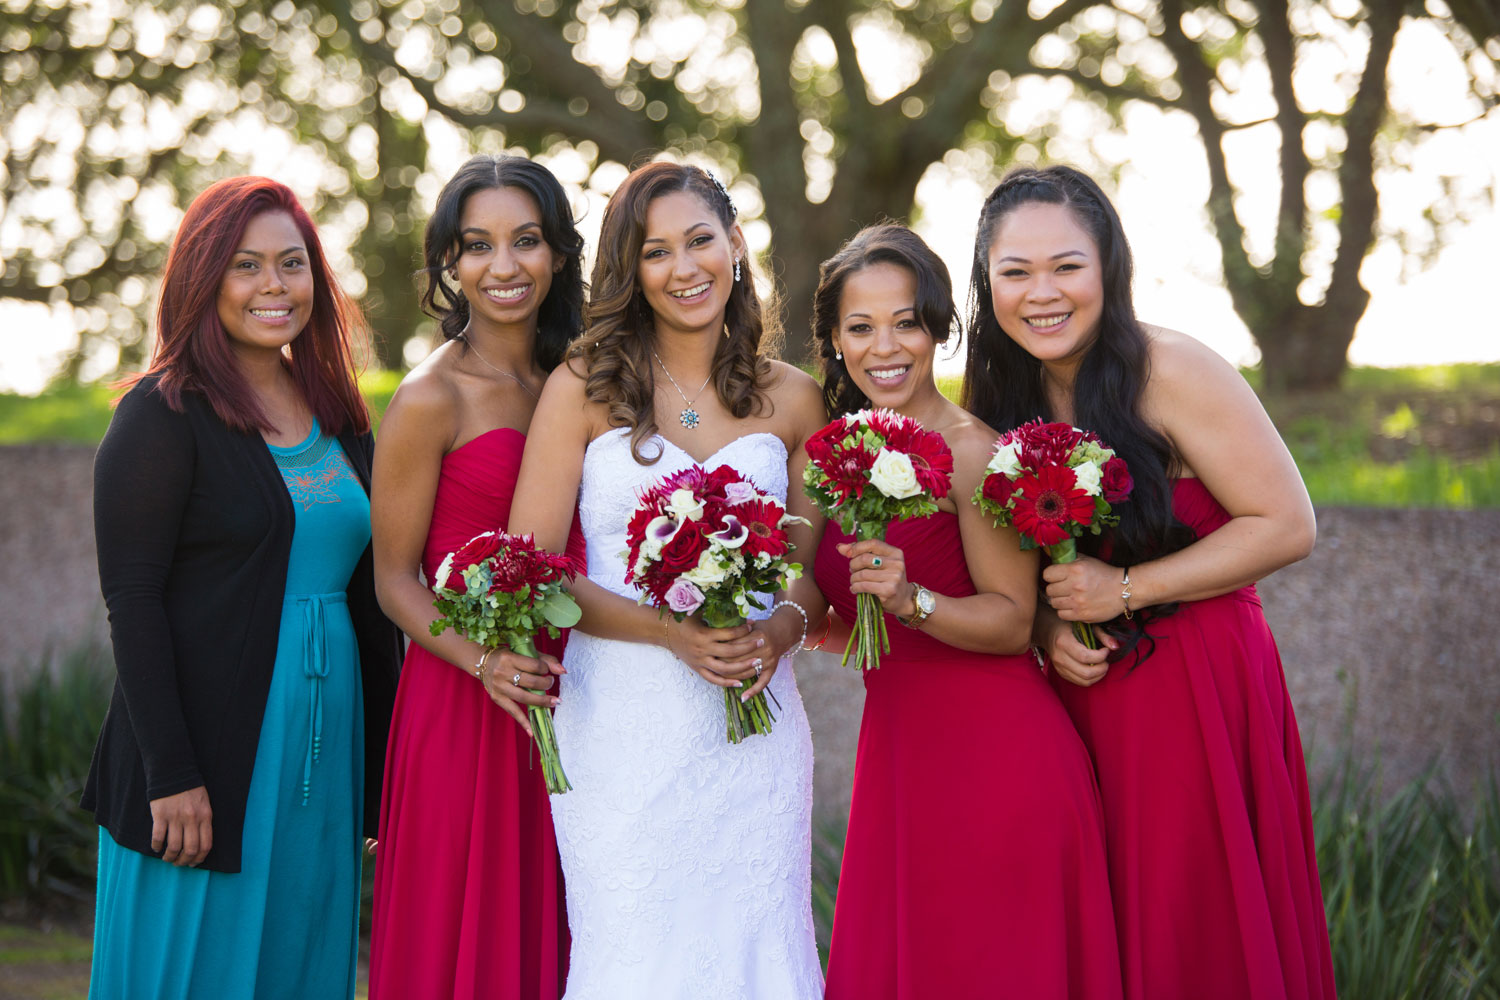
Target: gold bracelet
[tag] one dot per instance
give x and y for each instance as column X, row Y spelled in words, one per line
column 1125, row 594
column 479, row 667
column 666, row 635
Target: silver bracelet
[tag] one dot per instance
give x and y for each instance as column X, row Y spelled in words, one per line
column 801, row 611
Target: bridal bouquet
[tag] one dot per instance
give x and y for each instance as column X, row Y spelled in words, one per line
column 867, row 470
column 709, row 543
column 1053, row 482
column 500, row 589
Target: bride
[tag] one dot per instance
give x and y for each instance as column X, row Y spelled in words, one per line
column 686, row 859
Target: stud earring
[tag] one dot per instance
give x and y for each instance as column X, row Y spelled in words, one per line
column 736, row 269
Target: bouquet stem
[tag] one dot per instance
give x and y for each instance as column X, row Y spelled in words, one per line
column 743, row 718
column 541, row 729
column 1066, row 552
column 868, row 639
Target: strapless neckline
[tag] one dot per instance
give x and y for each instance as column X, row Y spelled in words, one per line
column 667, row 442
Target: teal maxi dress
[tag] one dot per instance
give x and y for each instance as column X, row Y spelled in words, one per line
column 286, row 924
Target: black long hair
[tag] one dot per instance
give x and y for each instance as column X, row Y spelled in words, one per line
column 884, row 243
column 560, row 316
column 1003, row 383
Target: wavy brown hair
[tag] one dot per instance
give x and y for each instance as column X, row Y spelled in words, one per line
column 618, row 327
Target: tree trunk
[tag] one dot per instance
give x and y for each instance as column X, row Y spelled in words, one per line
column 1305, row 348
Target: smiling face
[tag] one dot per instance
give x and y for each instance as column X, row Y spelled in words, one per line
column 504, row 266
column 886, row 350
column 686, row 268
column 266, row 294
column 1046, row 283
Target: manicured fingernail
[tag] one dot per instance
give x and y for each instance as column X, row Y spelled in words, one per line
column 745, row 696
column 759, row 642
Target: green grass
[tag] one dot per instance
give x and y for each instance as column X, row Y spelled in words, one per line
column 1392, row 437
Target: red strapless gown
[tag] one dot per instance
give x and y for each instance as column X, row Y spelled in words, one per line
column 974, row 865
column 468, row 889
column 1211, row 849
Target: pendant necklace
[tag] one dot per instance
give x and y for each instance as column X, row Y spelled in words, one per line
column 689, row 416
column 510, row 375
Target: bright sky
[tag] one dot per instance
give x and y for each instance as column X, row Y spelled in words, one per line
column 1445, row 313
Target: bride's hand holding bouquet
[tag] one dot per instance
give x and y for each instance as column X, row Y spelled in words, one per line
column 708, row 545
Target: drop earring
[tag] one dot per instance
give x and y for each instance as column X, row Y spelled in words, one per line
column 838, row 354
column 736, row 269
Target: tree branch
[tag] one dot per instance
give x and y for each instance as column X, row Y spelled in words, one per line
column 1291, row 213
column 1357, row 170
column 1239, row 275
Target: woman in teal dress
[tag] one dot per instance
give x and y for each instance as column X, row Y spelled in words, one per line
column 255, row 671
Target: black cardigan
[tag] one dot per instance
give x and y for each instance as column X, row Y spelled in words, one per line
column 193, row 525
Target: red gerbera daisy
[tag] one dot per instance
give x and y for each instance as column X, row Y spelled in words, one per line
column 762, row 518
column 1048, row 503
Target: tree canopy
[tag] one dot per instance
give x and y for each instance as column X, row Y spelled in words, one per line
column 822, row 116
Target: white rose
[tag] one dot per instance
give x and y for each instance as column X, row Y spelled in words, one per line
column 708, row 573
column 1088, row 478
column 1007, row 460
column 684, row 506
column 893, row 475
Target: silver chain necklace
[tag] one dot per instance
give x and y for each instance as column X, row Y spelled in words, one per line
column 510, row 375
column 689, row 416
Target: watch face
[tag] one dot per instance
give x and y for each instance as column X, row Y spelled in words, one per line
column 926, row 603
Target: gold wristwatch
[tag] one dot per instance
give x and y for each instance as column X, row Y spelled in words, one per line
column 926, row 602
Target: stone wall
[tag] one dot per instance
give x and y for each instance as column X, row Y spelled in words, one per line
column 1386, row 631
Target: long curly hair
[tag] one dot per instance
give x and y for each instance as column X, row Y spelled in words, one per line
column 615, row 349
column 560, row 315
column 1003, row 383
column 884, row 243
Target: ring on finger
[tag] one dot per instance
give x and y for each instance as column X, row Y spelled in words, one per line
column 876, row 562
column 757, row 665
column 516, row 680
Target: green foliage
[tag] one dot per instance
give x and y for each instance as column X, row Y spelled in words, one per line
column 48, row 727
column 1392, row 437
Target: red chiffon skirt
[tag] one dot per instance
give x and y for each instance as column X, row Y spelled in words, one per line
column 1211, row 849
column 468, row 888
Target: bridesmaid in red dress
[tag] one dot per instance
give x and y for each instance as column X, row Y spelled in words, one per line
column 1186, row 714
column 468, row 889
column 974, row 865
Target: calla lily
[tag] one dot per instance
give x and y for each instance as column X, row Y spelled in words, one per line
column 733, row 534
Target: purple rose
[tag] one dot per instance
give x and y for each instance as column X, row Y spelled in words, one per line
column 683, row 597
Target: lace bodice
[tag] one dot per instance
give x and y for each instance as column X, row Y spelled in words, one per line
column 613, row 482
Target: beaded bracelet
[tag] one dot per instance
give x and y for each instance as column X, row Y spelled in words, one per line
column 802, row 639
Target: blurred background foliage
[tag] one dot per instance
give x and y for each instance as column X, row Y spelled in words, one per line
column 821, row 115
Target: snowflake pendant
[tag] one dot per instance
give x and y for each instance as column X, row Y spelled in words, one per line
column 689, row 418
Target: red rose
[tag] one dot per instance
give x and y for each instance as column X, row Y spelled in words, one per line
column 682, row 552
column 478, row 549
column 1049, row 503
column 1115, row 481
column 998, row 489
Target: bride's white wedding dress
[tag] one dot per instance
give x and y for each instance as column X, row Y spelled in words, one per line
column 687, row 859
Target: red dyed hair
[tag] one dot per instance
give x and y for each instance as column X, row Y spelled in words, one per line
column 193, row 353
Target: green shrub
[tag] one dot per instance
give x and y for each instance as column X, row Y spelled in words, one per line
column 48, row 845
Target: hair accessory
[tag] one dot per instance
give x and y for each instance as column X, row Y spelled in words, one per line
column 736, row 269
column 802, row 639
column 1125, row 594
column 733, row 212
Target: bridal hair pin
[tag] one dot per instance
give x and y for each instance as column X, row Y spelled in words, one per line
column 733, row 212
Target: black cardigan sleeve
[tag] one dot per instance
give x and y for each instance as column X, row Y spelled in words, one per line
column 143, row 476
